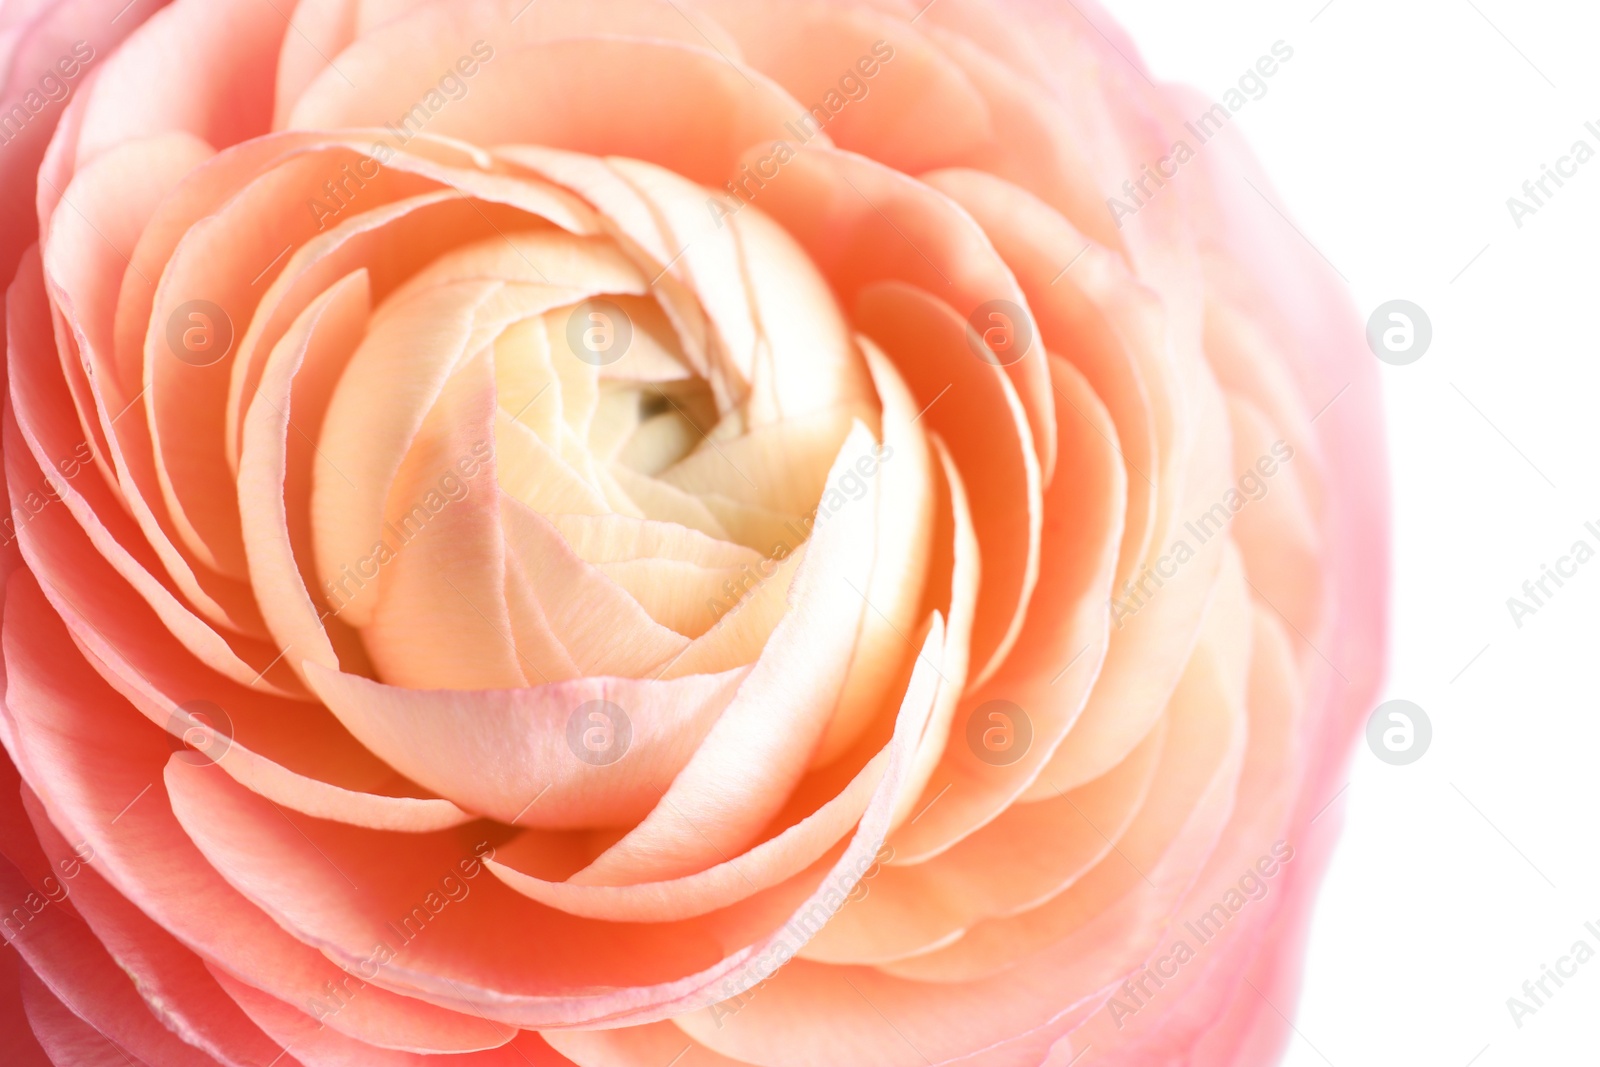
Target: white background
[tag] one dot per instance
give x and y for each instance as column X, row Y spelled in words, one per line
column 1395, row 137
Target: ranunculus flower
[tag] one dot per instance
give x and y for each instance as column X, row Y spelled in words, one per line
column 643, row 532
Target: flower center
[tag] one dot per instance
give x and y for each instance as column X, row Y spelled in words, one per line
column 569, row 438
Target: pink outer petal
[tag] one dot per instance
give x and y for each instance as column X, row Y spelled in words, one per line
column 221, row 93
column 326, row 28
column 65, row 1036
column 87, row 568
column 1296, row 301
column 1116, row 115
column 323, row 906
column 425, row 39
column 1279, row 540
column 36, row 38
column 912, row 112
column 174, row 983
column 1147, row 650
column 1295, row 297
column 317, row 1046
column 24, row 1046
column 1175, row 830
column 76, row 969
column 1022, row 1009
column 637, row 1046
column 682, row 106
column 91, row 760
column 85, row 270
column 1254, row 1031
column 201, row 191
column 321, row 29
column 1170, row 1017
column 448, row 931
column 1051, row 152
column 293, row 753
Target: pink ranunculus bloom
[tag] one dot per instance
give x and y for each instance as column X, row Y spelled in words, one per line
column 629, row 532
